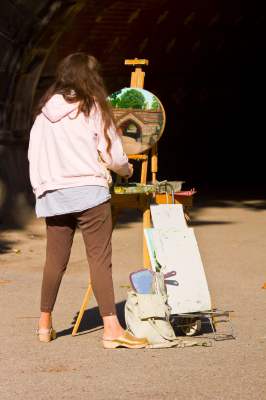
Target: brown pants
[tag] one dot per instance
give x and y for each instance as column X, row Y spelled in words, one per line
column 96, row 226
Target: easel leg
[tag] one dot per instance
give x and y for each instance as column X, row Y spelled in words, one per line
column 146, row 224
column 83, row 307
column 154, row 163
column 144, row 171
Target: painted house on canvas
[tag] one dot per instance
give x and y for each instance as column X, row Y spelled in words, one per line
column 142, row 125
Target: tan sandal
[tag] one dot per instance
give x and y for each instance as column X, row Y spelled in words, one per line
column 46, row 335
column 126, row 340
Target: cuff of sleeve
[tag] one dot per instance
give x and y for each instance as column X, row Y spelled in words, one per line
column 123, row 171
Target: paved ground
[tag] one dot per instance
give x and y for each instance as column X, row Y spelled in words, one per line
column 231, row 237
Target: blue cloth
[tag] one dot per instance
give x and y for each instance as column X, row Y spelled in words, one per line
column 69, row 200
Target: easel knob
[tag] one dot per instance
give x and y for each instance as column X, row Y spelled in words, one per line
column 137, row 77
column 137, row 61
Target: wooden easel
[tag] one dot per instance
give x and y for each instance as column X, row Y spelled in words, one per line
column 137, row 81
column 139, row 201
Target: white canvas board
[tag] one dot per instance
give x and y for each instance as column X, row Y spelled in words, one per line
column 178, row 251
column 168, row 216
column 150, row 246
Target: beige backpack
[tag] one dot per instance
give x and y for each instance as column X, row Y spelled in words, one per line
column 147, row 315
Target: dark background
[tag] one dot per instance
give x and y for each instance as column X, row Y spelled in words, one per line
column 206, row 66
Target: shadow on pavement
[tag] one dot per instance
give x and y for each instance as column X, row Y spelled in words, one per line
column 6, row 246
column 253, row 197
column 92, row 321
column 193, row 223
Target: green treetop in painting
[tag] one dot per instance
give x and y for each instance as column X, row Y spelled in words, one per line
column 155, row 105
column 114, row 98
column 132, row 98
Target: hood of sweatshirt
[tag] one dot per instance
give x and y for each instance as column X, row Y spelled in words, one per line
column 57, row 108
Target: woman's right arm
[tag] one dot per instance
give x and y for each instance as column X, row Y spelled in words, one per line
column 115, row 159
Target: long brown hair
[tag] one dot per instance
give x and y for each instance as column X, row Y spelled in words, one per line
column 78, row 78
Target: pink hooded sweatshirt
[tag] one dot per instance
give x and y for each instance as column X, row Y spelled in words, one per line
column 64, row 148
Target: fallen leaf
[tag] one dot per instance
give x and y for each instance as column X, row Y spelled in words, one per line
column 16, row 251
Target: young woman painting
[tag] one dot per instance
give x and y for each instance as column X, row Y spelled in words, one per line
column 73, row 134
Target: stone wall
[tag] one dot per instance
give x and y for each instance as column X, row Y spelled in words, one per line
column 16, row 197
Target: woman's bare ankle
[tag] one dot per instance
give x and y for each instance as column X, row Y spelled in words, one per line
column 45, row 321
column 112, row 327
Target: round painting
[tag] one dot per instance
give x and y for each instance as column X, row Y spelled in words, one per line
column 140, row 116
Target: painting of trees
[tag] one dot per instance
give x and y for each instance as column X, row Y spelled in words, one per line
column 155, row 105
column 114, row 98
column 132, row 99
column 138, row 99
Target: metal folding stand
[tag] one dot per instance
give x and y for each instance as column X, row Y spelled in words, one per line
column 211, row 318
